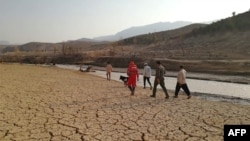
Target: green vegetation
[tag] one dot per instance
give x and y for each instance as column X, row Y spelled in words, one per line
column 237, row 23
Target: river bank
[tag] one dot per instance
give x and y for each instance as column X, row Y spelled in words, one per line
column 204, row 89
column 194, row 75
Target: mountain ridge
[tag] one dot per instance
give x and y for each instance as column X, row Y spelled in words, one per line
column 138, row 30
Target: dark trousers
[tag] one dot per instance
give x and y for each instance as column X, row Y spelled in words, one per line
column 162, row 84
column 184, row 87
column 144, row 81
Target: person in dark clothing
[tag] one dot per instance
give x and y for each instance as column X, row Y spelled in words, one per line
column 159, row 79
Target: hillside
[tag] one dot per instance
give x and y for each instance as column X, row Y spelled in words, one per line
column 239, row 23
column 153, row 38
column 225, row 39
column 221, row 47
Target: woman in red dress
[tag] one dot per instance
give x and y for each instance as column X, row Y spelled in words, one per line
column 132, row 73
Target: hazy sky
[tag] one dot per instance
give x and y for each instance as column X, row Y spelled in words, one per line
column 23, row 21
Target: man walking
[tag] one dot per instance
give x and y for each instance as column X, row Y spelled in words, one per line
column 181, row 83
column 147, row 75
column 159, row 79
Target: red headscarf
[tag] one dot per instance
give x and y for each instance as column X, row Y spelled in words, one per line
column 132, row 69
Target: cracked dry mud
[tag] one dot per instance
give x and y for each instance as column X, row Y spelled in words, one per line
column 51, row 104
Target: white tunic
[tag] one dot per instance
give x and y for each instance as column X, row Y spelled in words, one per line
column 181, row 78
column 147, row 71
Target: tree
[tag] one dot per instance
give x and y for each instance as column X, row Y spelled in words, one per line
column 233, row 14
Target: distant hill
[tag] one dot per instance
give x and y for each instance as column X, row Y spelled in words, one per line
column 4, row 43
column 33, row 46
column 134, row 31
column 222, row 40
column 2, row 47
column 86, row 40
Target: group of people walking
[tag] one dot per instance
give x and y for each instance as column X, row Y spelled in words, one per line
column 133, row 76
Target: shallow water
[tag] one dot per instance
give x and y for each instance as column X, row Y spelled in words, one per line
column 195, row 86
column 199, row 86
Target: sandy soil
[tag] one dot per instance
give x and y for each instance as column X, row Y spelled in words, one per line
column 49, row 103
